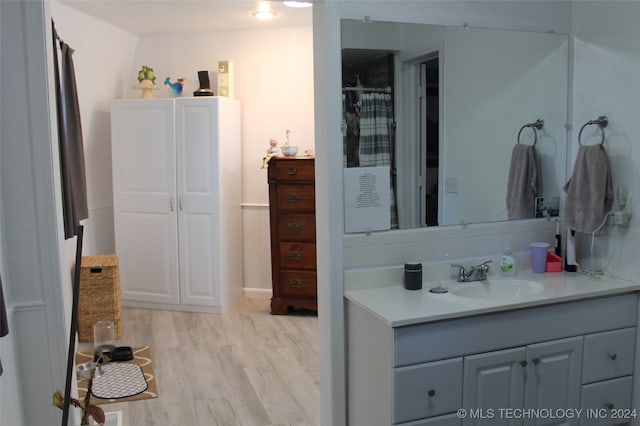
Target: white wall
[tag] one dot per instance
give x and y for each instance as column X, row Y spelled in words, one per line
column 607, row 64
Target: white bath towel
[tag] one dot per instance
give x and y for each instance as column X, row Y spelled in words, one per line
column 589, row 191
column 524, row 182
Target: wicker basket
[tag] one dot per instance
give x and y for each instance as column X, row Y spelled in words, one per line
column 99, row 297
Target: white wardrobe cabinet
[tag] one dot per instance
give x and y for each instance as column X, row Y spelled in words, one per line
column 176, row 197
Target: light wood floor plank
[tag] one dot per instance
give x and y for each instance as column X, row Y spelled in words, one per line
column 242, row 368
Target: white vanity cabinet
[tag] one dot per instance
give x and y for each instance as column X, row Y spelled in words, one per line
column 176, row 194
column 571, row 355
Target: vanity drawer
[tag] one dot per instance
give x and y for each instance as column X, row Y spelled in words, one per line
column 296, row 197
column 298, row 256
column 608, row 354
column 427, row 390
column 613, row 395
column 298, row 283
column 297, row 227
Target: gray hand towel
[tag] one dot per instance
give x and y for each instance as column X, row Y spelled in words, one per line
column 589, row 190
column 523, row 183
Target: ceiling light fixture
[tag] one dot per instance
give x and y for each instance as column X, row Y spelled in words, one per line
column 264, row 11
column 297, row 3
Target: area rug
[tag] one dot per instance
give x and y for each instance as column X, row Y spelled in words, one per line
column 121, row 381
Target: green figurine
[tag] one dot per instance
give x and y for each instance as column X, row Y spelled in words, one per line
column 146, row 73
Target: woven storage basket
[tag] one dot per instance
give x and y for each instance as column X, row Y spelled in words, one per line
column 99, row 297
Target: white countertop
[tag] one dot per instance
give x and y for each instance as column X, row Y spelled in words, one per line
column 396, row 306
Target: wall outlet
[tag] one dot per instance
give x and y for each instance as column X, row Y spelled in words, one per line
column 451, row 185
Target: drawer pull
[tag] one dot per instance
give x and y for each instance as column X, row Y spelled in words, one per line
column 536, row 361
column 293, row 198
column 431, row 392
column 296, row 282
column 609, row 406
column 292, row 171
column 295, row 255
column 294, row 227
column 523, row 363
column 612, row 355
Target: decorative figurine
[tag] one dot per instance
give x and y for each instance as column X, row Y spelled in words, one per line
column 147, row 82
column 176, row 88
column 272, row 151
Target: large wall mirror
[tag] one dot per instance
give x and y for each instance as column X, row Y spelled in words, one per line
column 454, row 101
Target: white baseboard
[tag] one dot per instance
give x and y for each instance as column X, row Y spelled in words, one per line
column 257, row 293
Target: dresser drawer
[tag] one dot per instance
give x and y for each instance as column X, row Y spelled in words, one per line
column 298, row 256
column 297, row 227
column 298, row 283
column 427, row 390
column 608, row 354
column 612, row 395
column 296, row 197
column 291, row 170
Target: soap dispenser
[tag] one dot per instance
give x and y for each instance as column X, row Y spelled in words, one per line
column 507, row 263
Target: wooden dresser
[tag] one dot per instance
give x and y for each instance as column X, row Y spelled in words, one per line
column 293, row 234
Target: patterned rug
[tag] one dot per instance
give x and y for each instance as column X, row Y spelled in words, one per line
column 121, row 381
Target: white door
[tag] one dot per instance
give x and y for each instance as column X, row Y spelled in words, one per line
column 493, row 381
column 198, row 193
column 144, row 188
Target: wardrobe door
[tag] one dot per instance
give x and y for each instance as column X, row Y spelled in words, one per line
column 145, row 205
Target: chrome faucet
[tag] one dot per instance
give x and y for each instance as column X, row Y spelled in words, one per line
column 474, row 273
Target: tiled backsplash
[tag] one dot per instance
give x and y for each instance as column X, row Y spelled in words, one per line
column 379, row 257
column 443, row 244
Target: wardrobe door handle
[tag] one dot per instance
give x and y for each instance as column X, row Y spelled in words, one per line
column 180, row 203
column 523, row 363
column 612, row 356
column 171, row 203
column 293, row 198
column 292, row 171
column 609, row 405
column 536, row 361
column 431, row 392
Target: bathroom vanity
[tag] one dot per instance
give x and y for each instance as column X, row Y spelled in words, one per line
column 416, row 358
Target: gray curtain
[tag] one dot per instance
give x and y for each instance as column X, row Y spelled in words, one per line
column 4, row 324
column 72, row 169
column 376, row 138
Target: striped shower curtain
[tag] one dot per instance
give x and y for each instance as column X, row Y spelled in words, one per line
column 376, row 138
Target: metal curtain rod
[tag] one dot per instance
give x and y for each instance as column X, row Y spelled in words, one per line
column 367, row 89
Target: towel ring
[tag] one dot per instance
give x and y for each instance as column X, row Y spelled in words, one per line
column 537, row 125
column 601, row 121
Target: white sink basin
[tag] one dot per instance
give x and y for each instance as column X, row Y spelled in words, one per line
column 496, row 289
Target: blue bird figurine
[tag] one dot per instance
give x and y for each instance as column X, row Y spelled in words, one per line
column 176, row 87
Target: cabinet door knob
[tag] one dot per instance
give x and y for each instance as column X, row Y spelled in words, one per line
column 295, row 255
column 293, row 198
column 609, row 405
column 612, row 355
column 523, row 363
column 536, row 361
column 292, row 170
column 294, row 227
column 431, row 392
column 296, row 282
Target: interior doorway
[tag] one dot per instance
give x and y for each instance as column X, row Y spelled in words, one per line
column 429, row 139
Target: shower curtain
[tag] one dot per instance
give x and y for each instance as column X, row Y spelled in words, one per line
column 376, row 138
column 72, row 168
